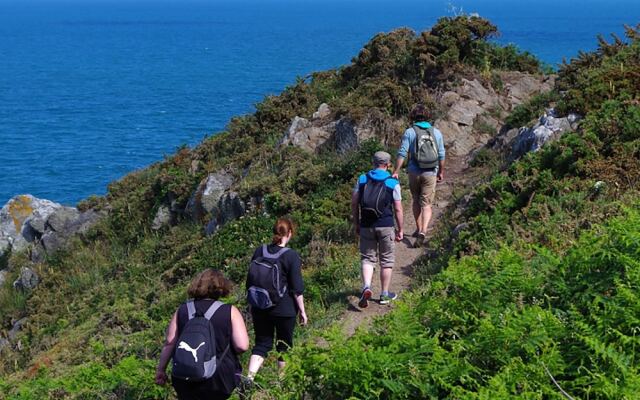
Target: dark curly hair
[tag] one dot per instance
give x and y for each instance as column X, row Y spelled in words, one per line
column 419, row 113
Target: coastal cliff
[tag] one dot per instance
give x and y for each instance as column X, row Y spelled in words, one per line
column 529, row 288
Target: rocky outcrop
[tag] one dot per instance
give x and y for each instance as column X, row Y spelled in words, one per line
column 474, row 110
column 304, row 134
column 204, row 201
column 319, row 133
column 213, row 202
column 3, row 277
column 323, row 111
column 548, row 128
column 516, row 142
column 519, row 86
column 16, row 230
column 42, row 224
column 162, row 218
column 28, row 280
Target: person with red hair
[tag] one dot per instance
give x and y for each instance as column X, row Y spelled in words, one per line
column 279, row 319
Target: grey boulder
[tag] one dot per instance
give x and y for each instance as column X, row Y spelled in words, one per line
column 27, row 280
column 15, row 230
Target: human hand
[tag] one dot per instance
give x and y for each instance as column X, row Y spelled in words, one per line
column 303, row 318
column 440, row 176
column 161, row 378
column 399, row 235
column 394, row 175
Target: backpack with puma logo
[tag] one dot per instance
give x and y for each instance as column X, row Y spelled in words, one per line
column 194, row 357
column 425, row 152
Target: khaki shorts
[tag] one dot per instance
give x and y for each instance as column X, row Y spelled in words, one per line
column 423, row 188
column 378, row 242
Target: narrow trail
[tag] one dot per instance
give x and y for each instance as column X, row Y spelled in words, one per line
column 406, row 254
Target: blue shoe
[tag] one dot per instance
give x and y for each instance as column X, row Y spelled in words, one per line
column 364, row 298
column 385, row 298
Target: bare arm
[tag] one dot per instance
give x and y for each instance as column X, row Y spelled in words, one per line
column 441, row 170
column 397, row 207
column 167, row 350
column 239, row 335
column 355, row 211
column 303, row 313
column 399, row 163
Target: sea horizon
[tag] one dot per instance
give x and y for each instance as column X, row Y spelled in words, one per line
column 91, row 91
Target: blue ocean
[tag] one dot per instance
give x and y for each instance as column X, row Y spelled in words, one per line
column 91, row 90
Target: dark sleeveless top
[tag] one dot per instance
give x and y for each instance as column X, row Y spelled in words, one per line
column 221, row 321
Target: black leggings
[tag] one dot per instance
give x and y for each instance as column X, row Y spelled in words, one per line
column 264, row 326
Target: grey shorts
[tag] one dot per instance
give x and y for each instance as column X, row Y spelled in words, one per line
column 377, row 243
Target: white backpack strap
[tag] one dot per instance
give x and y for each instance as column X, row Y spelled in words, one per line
column 191, row 309
column 212, row 309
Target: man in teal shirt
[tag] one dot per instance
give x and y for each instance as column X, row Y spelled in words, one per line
column 422, row 182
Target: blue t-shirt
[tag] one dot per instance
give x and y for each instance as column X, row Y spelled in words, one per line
column 393, row 193
column 409, row 141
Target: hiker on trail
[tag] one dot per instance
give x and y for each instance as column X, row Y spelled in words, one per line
column 424, row 145
column 204, row 339
column 275, row 295
column 375, row 201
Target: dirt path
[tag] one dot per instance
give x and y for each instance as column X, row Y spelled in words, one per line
column 406, row 254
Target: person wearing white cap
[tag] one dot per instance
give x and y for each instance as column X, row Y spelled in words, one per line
column 375, row 201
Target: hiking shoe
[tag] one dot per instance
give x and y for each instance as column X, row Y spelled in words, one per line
column 386, row 298
column 364, row 298
column 246, row 386
column 420, row 240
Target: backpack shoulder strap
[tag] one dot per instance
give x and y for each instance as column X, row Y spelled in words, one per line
column 212, row 309
column 266, row 253
column 191, row 309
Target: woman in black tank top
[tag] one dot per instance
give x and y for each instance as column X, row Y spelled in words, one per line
column 230, row 335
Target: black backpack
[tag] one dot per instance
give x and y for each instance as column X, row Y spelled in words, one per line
column 426, row 149
column 266, row 284
column 373, row 199
column 194, row 357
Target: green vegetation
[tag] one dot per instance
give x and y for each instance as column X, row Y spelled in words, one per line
column 542, row 282
column 542, row 285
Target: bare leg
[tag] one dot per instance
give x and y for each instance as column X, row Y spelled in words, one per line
column 385, row 278
column 367, row 275
column 255, row 362
column 415, row 205
column 425, row 217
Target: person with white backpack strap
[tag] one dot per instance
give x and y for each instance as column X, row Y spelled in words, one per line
column 275, row 294
column 423, row 144
column 204, row 339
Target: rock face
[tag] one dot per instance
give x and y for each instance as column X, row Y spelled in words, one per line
column 3, row 277
column 323, row 111
column 46, row 226
column 16, row 231
column 313, row 135
column 213, row 201
column 162, row 218
column 474, row 110
column 204, row 201
column 548, row 128
column 304, row 134
column 27, row 280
